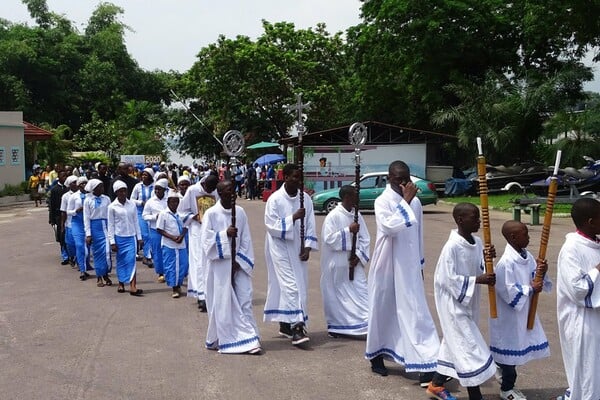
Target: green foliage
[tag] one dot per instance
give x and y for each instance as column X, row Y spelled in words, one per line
column 93, row 157
column 14, row 190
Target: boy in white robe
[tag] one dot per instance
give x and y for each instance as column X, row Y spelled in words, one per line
column 463, row 353
column 511, row 342
column 401, row 328
column 345, row 302
column 198, row 198
column 231, row 324
column 173, row 244
column 287, row 257
column 578, row 302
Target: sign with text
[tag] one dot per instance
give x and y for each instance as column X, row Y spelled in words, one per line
column 141, row 159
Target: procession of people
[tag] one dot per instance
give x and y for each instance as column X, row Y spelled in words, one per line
column 194, row 234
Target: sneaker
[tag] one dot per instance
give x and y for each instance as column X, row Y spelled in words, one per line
column 512, row 394
column 439, row 393
column 175, row 295
column 425, row 379
column 285, row 329
column 202, row 305
column 299, row 335
column 65, row 262
column 161, row 279
column 255, row 351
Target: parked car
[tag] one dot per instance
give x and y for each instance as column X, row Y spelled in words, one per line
column 371, row 186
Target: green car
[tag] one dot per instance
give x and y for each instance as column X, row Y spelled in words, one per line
column 371, row 186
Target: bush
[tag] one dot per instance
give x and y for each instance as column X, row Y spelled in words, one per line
column 14, row 190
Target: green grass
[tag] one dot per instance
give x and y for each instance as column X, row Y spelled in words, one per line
column 503, row 202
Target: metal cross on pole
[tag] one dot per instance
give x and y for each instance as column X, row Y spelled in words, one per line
column 298, row 108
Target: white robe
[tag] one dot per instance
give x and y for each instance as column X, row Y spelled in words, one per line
column 345, row 302
column 231, row 324
column 400, row 324
column 464, row 353
column 287, row 275
column 511, row 343
column 578, row 304
column 188, row 207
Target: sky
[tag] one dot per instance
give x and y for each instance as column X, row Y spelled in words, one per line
column 167, row 34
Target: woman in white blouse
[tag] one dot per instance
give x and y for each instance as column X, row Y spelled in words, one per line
column 124, row 237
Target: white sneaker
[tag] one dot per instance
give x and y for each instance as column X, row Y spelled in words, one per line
column 512, row 394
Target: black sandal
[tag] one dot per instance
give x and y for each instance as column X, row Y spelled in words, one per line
column 138, row 292
column 107, row 280
column 121, row 288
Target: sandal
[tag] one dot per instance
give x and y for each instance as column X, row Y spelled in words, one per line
column 121, row 288
column 137, row 292
column 100, row 284
column 107, row 280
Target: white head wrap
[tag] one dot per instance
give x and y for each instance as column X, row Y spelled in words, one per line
column 173, row 193
column 184, row 178
column 81, row 179
column 150, row 172
column 92, row 184
column 70, row 179
column 118, row 185
column 163, row 183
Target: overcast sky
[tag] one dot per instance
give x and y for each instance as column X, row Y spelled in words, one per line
column 167, row 34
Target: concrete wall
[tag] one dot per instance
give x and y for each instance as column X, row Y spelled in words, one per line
column 12, row 148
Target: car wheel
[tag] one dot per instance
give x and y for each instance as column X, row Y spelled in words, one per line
column 330, row 205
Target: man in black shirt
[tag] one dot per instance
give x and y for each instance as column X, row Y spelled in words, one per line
column 54, row 214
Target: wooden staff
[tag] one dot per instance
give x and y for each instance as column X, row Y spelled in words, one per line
column 357, row 135
column 233, row 145
column 539, row 277
column 485, row 219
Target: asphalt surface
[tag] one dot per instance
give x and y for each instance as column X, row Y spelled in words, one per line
column 61, row 338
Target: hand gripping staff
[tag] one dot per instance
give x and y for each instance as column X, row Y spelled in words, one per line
column 485, row 220
column 357, row 135
column 539, row 277
column 233, row 146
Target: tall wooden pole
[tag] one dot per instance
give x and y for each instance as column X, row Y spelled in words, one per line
column 539, row 276
column 485, row 220
column 357, row 134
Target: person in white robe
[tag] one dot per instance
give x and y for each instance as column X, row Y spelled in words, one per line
column 198, row 198
column 345, row 301
column 463, row 354
column 511, row 343
column 75, row 210
column 287, row 257
column 231, row 324
column 95, row 222
column 141, row 193
column 152, row 209
column 401, row 328
column 173, row 245
column 65, row 219
column 578, row 302
column 124, row 236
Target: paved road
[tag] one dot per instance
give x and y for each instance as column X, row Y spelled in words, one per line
column 65, row 339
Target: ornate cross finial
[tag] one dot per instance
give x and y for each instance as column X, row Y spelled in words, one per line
column 298, row 108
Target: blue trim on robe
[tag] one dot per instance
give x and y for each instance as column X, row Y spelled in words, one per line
column 343, row 240
column 283, row 228
column 364, row 255
column 400, row 359
column 467, row 374
column 238, row 343
column 357, row 326
column 422, row 261
column 516, row 353
column 588, row 297
column 287, row 312
column 246, row 259
column 404, row 214
column 219, row 246
column 518, row 296
column 463, row 290
column 314, row 239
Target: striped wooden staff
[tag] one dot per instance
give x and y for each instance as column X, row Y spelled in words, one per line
column 485, row 220
column 539, row 277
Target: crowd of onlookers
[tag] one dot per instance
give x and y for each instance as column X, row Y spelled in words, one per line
column 250, row 179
